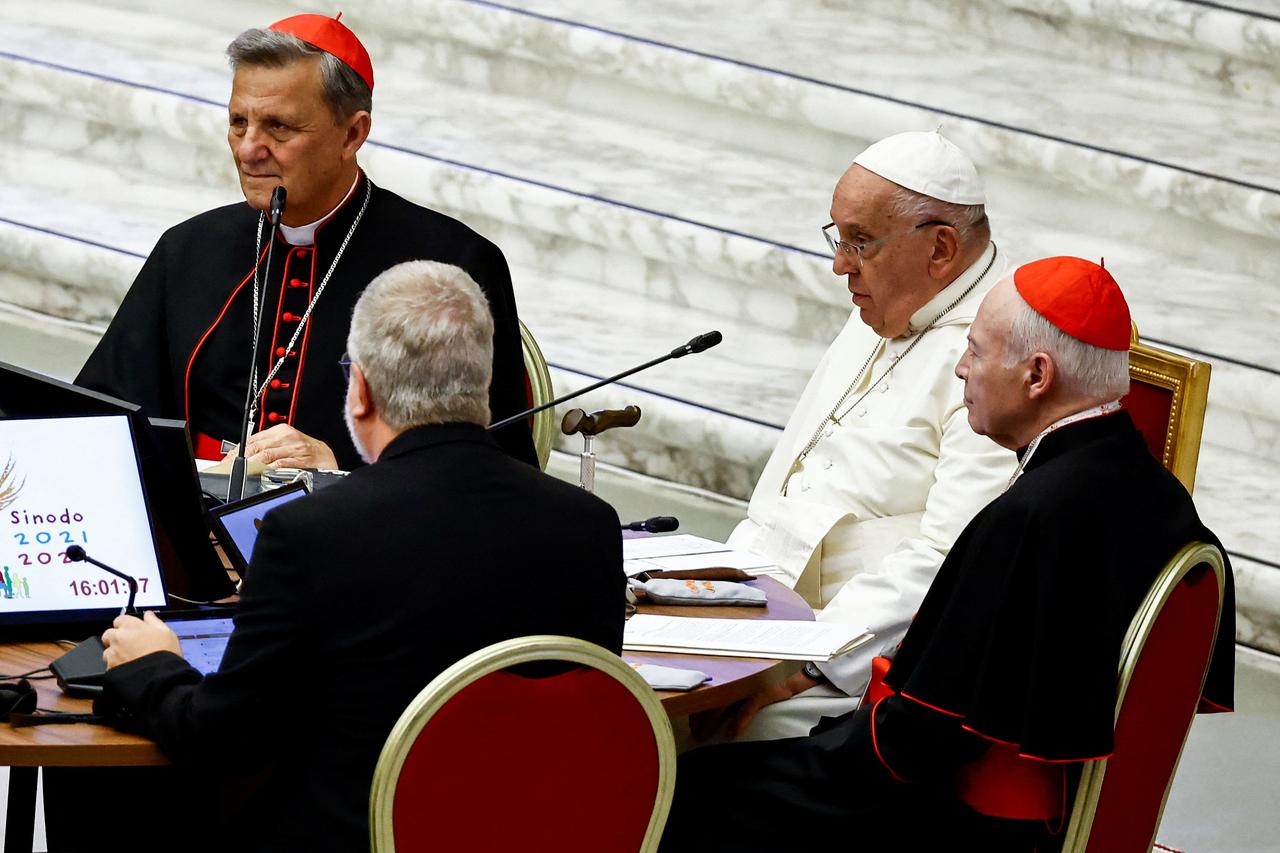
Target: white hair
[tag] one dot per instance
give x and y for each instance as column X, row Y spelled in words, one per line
column 969, row 220
column 1085, row 369
column 423, row 337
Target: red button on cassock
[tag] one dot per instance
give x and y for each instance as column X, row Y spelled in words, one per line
column 297, row 282
column 279, row 352
column 289, row 317
column 274, row 416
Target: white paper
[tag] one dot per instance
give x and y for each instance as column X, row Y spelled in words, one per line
column 765, row 638
column 645, row 547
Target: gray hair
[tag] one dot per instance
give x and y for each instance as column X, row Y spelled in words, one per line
column 344, row 90
column 423, row 337
column 970, row 220
column 1095, row 372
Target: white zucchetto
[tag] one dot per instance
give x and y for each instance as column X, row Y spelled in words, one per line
column 927, row 163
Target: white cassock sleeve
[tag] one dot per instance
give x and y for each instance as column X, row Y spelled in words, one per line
column 971, row 471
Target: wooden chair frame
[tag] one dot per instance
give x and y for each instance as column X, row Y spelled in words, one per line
column 1089, row 790
column 495, row 658
column 544, row 422
column 1188, row 381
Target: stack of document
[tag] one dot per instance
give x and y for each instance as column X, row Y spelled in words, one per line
column 685, row 551
column 743, row 638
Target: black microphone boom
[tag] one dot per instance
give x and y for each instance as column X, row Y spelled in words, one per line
column 657, row 524
column 235, row 484
column 702, row 342
column 78, row 555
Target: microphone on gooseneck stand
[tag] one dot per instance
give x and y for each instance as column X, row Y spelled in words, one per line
column 702, row 342
column 235, row 485
column 657, row 524
column 80, row 671
column 78, row 555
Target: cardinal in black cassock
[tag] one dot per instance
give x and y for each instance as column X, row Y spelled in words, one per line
column 1017, row 644
column 180, row 343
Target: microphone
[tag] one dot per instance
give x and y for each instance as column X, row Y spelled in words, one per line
column 78, row 555
column 702, row 342
column 657, row 524
column 278, row 196
column 235, row 483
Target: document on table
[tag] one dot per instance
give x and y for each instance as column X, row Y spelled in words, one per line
column 747, row 638
column 684, row 551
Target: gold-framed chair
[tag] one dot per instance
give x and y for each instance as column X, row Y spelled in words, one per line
column 486, row 759
column 538, row 390
column 1167, row 397
column 1164, row 661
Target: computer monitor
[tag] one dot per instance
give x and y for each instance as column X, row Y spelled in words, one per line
column 191, row 565
column 72, row 481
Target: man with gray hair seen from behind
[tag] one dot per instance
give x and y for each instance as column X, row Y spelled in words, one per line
column 1005, row 686
column 181, row 343
column 361, row 593
column 878, row 470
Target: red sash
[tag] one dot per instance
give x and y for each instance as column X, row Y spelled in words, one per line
column 209, row 449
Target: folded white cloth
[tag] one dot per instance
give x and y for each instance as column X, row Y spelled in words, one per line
column 669, row 677
column 669, row 591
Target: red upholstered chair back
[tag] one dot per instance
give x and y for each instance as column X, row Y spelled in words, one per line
column 488, row 760
column 1164, row 660
column 1167, row 398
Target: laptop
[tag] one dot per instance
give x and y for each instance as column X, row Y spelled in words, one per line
column 202, row 634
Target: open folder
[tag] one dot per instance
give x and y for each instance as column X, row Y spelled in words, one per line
column 744, row 638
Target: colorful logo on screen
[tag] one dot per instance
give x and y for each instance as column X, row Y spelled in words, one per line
column 13, row 586
column 10, row 488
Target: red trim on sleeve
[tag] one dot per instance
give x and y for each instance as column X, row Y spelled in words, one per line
column 191, row 359
column 969, row 728
column 875, row 744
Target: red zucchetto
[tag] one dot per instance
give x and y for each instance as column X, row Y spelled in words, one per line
column 331, row 36
column 1079, row 297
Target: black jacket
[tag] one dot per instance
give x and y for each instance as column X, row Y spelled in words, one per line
column 356, row 597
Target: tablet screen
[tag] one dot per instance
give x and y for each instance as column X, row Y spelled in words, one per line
column 72, row 481
column 238, row 522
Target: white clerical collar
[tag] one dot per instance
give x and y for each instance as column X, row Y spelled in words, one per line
column 305, row 235
column 952, row 291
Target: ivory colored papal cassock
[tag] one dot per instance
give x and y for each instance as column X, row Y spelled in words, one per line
column 864, row 521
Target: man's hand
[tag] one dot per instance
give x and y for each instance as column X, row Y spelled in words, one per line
column 285, row 447
column 751, row 706
column 131, row 638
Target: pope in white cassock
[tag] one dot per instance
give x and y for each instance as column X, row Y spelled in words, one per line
column 878, row 471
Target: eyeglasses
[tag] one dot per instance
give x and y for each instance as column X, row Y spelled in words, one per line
column 345, row 363
column 836, row 244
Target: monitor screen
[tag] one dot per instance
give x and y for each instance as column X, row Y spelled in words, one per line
column 72, row 481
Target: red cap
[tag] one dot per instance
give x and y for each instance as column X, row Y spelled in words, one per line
column 331, row 36
column 1079, row 297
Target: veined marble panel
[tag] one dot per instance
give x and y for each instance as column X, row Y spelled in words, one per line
column 1211, row 50
column 1146, row 119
